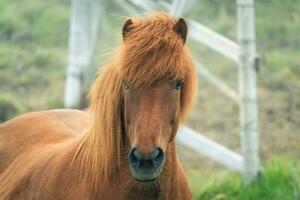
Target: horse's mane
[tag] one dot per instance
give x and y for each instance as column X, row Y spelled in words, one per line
column 152, row 50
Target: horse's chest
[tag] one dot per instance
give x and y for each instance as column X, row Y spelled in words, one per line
column 140, row 197
column 143, row 193
column 132, row 192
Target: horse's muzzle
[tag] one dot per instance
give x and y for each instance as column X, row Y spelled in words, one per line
column 146, row 169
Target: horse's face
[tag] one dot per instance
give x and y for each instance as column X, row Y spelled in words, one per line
column 151, row 121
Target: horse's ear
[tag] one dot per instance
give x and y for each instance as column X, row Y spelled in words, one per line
column 181, row 29
column 126, row 28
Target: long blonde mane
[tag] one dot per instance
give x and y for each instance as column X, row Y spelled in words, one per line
column 151, row 51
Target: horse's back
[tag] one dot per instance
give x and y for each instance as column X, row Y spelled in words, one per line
column 34, row 130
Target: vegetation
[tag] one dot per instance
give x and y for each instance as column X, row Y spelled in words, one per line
column 279, row 181
column 9, row 107
column 33, row 38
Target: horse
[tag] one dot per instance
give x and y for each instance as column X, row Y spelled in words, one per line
column 123, row 146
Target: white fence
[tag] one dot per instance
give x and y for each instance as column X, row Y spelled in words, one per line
column 243, row 53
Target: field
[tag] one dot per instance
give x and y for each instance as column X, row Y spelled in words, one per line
column 33, row 60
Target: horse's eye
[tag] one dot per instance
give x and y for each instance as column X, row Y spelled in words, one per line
column 178, row 84
column 126, row 84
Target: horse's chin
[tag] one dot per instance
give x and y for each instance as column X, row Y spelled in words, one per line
column 146, row 177
column 146, row 180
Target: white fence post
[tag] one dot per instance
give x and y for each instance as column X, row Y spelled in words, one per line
column 247, row 88
column 83, row 31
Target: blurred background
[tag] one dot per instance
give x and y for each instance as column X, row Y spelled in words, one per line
column 34, row 36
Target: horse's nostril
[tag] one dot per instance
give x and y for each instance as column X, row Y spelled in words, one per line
column 137, row 161
column 135, row 157
column 155, row 154
column 158, row 156
column 136, row 154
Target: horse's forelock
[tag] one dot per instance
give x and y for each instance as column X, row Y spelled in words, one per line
column 152, row 50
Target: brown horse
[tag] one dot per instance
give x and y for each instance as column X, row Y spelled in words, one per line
column 124, row 147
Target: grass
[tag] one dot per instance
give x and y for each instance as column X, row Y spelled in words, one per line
column 33, row 52
column 279, row 180
column 9, row 107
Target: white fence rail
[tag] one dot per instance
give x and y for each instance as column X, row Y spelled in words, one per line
column 214, row 40
column 228, row 91
column 192, row 139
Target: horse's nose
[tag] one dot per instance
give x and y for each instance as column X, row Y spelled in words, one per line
column 139, row 162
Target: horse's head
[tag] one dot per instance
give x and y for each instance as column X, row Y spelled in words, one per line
column 151, row 117
column 154, row 109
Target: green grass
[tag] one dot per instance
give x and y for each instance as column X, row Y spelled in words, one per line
column 10, row 107
column 33, row 52
column 279, row 180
